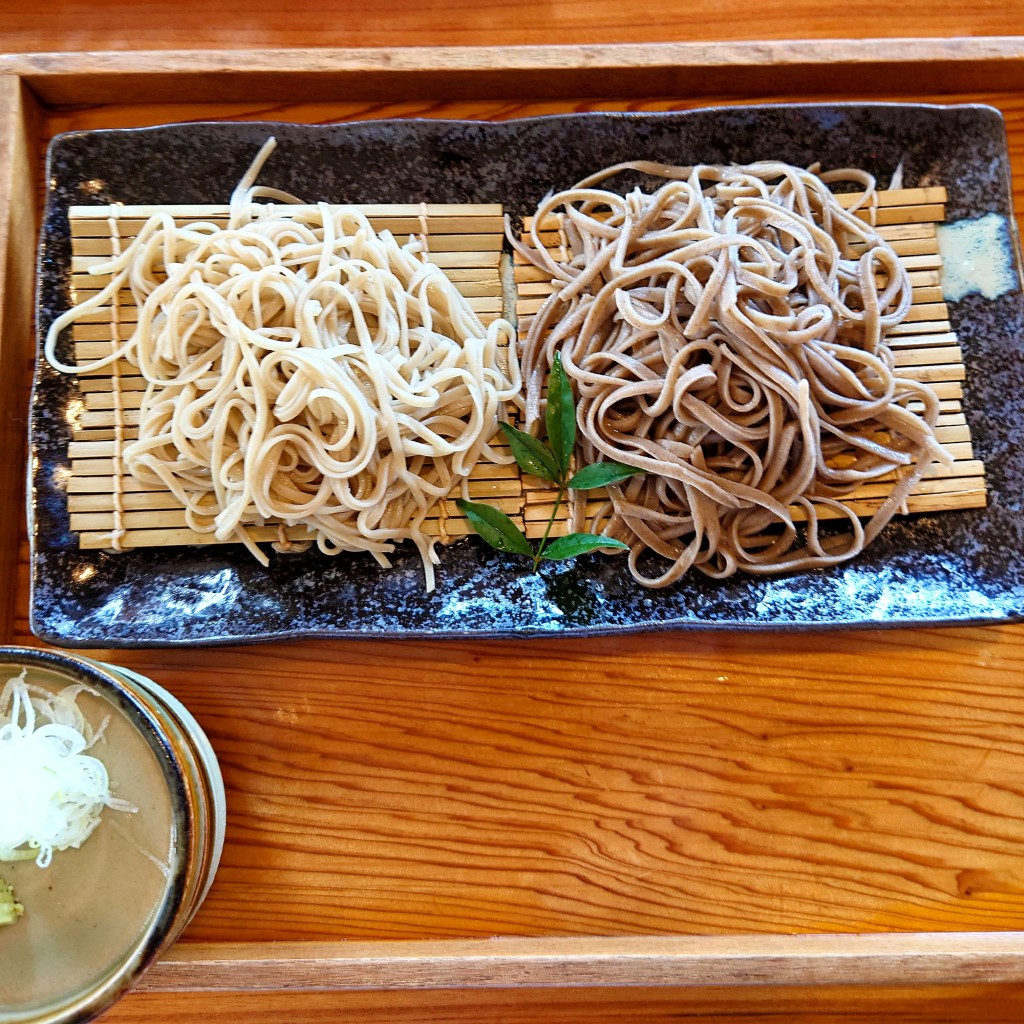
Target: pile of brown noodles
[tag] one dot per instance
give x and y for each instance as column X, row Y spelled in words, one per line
column 727, row 334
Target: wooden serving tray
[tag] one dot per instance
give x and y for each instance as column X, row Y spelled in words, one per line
column 622, row 828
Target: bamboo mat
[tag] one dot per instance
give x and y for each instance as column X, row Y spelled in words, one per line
column 466, row 242
column 925, row 347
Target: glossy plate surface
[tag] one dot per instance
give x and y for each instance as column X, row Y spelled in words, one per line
column 954, row 567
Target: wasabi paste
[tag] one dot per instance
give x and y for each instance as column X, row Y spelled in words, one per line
column 10, row 908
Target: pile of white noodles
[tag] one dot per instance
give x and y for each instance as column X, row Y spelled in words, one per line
column 726, row 333
column 304, row 370
column 51, row 792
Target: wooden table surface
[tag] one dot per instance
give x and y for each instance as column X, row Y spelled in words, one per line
column 715, row 784
column 258, row 24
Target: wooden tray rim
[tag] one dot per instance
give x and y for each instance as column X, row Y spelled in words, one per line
column 615, row 69
column 452, row 59
column 934, row 958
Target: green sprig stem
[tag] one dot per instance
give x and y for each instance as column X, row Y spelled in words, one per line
column 551, row 461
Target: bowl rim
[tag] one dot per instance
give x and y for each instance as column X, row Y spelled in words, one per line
column 205, row 757
column 123, row 971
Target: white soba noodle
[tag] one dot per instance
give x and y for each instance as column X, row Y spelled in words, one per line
column 726, row 332
column 303, row 369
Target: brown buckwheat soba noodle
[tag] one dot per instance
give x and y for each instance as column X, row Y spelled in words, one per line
column 303, row 369
column 727, row 334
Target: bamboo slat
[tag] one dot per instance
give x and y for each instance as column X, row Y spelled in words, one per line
column 925, row 347
column 466, row 241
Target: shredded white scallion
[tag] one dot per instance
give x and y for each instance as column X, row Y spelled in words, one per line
column 51, row 791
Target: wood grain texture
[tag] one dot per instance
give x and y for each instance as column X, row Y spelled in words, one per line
column 592, row 963
column 866, row 67
column 124, row 25
column 666, row 785
column 19, row 158
column 848, row 1004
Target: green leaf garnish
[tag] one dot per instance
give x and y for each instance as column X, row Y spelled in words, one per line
column 573, row 544
column 600, row 474
column 561, row 415
column 550, row 462
column 532, row 454
column 495, row 527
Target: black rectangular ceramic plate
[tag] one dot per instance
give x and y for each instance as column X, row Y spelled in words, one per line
column 957, row 567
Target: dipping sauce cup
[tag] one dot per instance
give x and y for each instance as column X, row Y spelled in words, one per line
column 99, row 915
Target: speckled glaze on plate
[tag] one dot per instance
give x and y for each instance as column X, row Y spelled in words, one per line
column 958, row 567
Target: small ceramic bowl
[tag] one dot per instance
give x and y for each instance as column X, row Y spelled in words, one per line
column 98, row 916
